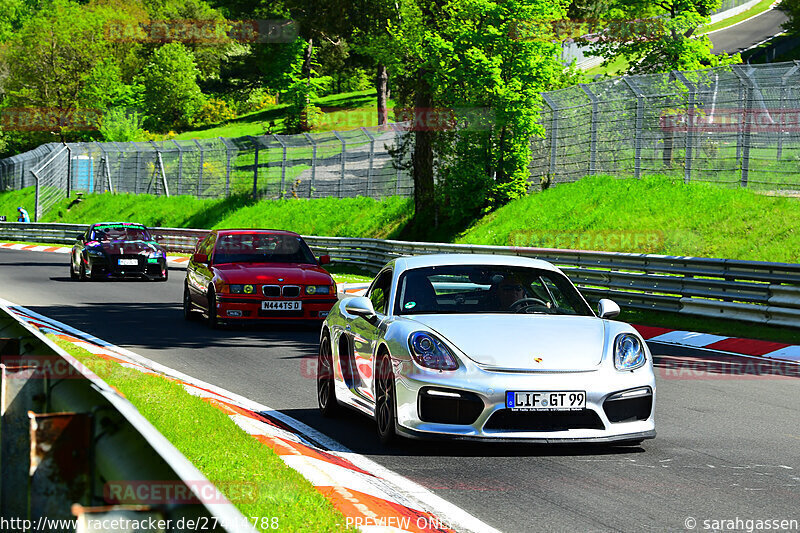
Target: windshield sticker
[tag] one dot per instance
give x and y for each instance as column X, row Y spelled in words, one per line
column 410, row 305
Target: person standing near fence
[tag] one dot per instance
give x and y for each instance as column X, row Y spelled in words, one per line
column 23, row 215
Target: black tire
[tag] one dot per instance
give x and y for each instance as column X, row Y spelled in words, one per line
column 326, row 397
column 82, row 269
column 165, row 277
column 212, row 320
column 188, row 312
column 385, row 401
column 72, row 274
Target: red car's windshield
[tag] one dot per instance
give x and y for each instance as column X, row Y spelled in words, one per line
column 262, row 248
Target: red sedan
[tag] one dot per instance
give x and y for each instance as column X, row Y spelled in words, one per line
column 246, row 274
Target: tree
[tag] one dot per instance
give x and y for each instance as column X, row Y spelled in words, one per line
column 792, row 10
column 172, row 97
column 50, row 60
column 659, row 36
column 473, row 56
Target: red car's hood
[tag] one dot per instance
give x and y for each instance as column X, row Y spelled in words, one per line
column 267, row 273
column 125, row 247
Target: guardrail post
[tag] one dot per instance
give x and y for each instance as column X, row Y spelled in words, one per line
column 200, row 174
column 690, row 126
column 637, row 139
column 313, row 163
column 59, row 463
column 342, row 157
column 22, row 392
column 782, row 118
column 283, row 164
column 747, row 85
column 593, row 126
column 553, row 133
column 371, row 158
column 255, row 142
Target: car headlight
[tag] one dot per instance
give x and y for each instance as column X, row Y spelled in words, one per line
column 242, row 289
column 628, row 352
column 318, row 289
column 430, row 352
column 95, row 252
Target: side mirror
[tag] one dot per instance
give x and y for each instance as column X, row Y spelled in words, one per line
column 200, row 258
column 324, row 259
column 360, row 306
column 607, row 308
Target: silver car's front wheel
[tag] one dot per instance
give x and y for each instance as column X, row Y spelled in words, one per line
column 326, row 397
column 385, row 399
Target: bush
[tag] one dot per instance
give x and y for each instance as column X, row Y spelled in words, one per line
column 214, row 111
column 120, row 126
column 172, row 96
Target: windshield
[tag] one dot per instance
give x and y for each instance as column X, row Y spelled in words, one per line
column 120, row 233
column 455, row 289
column 262, row 248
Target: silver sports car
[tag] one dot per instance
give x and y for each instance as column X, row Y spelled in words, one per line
column 485, row 347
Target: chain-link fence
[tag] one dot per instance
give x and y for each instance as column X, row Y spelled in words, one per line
column 359, row 162
column 736, row 125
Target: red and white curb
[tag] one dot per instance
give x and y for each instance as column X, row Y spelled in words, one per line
column 371, row 497
column 719, row 343
column 171, row 259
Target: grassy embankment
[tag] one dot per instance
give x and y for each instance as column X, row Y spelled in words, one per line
column 602, row 213
column 225, row 454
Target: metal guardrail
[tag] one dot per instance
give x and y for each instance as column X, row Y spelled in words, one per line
column 753, row 291
column 70, row 444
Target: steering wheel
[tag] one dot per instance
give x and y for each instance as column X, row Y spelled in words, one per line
column 524, row 302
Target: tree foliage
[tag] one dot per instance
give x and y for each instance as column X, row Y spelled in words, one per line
column 659, row 36
column 171, row 93
column 471, row 57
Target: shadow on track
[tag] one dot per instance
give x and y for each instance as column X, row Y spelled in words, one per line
column 161, row 326
column 357, row 432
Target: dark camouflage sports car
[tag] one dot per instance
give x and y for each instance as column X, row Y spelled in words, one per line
column 117, row 250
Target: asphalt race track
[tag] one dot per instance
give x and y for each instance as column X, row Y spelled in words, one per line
column 726, row 448
column 748, row 33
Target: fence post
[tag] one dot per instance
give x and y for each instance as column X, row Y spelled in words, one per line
column 782, row 115
column 69, row 169
column 637, row 137
column 180, row 164
column 371, row 158
column 283, row 164
column 553, row 133
column 254, row 140
column 593, row 130
column 690, row 125
column 313, row 163
column 200, row 176
column 36, row 207
column 136, row 176
column 344, row 149
column 227, row 167
column 747, row 85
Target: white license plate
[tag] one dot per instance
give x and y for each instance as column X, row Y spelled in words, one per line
column 282, row 306
column 545, row 400
column 128, row 262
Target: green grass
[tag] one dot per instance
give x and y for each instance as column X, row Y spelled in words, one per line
column 10, row 200
column 759, row 8
column 668, row 216
column 337, row 217
column 225, row 454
